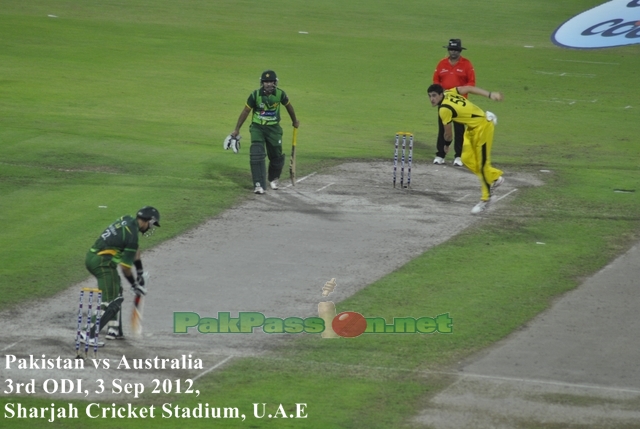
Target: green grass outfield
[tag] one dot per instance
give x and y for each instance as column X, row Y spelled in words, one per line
column 126, row 103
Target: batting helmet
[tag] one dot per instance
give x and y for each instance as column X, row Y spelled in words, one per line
column 150, row 214
column 268, row 76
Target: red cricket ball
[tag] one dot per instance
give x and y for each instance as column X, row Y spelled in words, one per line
column 349, row 324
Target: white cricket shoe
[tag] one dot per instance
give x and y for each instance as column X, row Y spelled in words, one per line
column 113, row 334
column 481, row 206
column 458, row 162
column 499, row 181
column 274, row 184
column 258, row 189
column 439, row 160
column 92, row 341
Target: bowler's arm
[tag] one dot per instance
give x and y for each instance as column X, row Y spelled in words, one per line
column 493, row 95
column 448, row 132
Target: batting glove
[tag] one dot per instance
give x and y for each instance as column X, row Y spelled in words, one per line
column 232, row 142
column 139, row 272
column 139, row 290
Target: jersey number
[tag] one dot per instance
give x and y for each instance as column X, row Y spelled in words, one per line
column 457, row 99
column 107, row 233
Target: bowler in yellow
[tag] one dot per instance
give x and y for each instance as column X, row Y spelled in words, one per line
column 478, row 135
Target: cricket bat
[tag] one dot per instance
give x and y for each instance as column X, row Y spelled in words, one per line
column 138, row 308
column 292, row 163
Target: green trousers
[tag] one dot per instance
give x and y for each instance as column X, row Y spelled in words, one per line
column 106, row 272
column 269, row 137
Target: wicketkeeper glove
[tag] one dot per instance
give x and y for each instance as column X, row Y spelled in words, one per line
column 232, row 142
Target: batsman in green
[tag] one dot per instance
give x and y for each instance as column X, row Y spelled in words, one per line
column 118, row 246
column 265, row 130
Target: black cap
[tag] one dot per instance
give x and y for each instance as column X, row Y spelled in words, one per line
column 268, row 76
column 149, row 213
column 454, row 45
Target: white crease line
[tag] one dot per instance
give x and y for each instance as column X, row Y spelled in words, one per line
column 553, row 383
column 325, row 187
column 212, row 368
column 462, row 198
column 507, row 194
column 9, row 346
column 305, row 177
column 302, row 178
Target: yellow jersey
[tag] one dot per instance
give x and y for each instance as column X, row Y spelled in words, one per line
column 454, row 107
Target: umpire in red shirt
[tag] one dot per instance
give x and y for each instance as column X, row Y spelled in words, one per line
column 451, row 72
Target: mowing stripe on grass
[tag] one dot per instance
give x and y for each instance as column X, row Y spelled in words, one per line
column 548, row 382
column 458, row 374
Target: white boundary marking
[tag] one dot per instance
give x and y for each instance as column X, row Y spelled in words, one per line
column 219, row 364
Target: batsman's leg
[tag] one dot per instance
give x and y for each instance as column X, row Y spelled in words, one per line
column 257, row 155
column 114, row 331
column 106, row 273
column 110, row 314
column 120, row 333
column 275, row 168
column 273, row 139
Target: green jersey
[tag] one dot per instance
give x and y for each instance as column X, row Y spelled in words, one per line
column 120, row 239
column 266, row 108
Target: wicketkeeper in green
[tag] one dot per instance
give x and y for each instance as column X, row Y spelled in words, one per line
column 265, row 130
column 118, row 245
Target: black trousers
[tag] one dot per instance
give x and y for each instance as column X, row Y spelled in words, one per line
column 458, row 138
